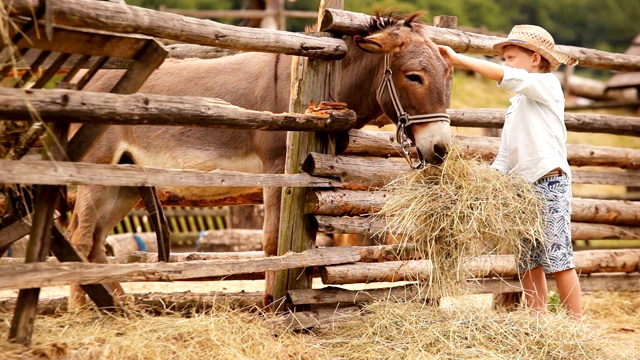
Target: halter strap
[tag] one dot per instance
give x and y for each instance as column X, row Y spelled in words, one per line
column 404, row 119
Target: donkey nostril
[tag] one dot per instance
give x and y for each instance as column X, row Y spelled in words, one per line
column 440, row 150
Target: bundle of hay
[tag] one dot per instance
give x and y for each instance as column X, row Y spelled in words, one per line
column 459, row 210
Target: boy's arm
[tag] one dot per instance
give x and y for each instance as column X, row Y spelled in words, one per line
column 501, row 162
column 483, row 67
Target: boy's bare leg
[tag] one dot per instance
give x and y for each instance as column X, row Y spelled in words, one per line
column 570, row 293
column 534, row 283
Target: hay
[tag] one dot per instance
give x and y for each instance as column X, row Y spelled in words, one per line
column 218, row 334
column 415, row 331
column 466, row 329
column 458, row 210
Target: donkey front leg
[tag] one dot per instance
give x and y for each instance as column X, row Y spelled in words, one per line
column 98, row 209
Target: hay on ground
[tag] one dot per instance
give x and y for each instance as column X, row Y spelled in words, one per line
column 465, row 329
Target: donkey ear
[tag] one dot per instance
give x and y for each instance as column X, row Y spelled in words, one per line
column 385, row 42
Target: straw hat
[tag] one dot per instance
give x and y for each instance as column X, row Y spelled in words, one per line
column 536, row 39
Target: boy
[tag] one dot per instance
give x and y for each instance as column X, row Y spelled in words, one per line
column 533, row 146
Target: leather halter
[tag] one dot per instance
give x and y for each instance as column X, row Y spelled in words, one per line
column 404, row 119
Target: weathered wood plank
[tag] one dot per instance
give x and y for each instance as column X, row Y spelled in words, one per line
column 121, row 18
column 63, row 173
column 346, row 22
column 65, row 106
column 37, row 275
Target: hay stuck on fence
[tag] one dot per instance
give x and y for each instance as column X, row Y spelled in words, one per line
column 458, row 210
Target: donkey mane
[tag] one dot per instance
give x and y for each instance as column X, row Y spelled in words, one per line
column 386, row 18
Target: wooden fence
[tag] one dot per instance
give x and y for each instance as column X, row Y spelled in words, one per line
column 333, row 265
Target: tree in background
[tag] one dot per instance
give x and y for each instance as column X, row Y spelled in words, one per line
column 607, row 25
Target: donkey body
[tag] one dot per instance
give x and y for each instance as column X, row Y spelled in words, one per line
column 258, row 81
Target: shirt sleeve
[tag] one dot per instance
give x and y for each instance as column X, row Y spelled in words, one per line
column 541, row 87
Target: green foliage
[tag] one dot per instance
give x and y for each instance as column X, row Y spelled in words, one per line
column 607, row 25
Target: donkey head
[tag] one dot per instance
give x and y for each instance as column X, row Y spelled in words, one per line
column 412, row 85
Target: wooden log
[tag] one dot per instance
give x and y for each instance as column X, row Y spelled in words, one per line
column 124, row 244
column 120, row 18
column 334, row 295
column 171, row 199
column 19, row 248
column 330, row 295
column 67, row 173
column 149, row 257
column 599, row 123
column 65, row 106
column 377, row 253
column 162, row 303
column 577, row 155
column 191, row 51
column 411, row 292
column 346, row 22
column 502, row 266
column 38, row 275
column 614, row 212
column 358, row 173
column 175, row 51
column 587, row 231
column 188, row 302
column 383, row 144
column 594, row 89
column 319, row 318
column 344, row 202
column 230, row 240
column 367, row 227
column 353, row 203
column 241, row 14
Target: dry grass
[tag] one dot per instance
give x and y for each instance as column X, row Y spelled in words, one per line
column 458, row 210
column 466, row 329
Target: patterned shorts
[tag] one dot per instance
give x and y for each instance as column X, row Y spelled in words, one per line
column 558, row 254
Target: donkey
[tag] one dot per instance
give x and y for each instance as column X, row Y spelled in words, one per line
column 393, row 70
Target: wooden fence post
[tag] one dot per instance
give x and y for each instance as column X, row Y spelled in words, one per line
column 312, row 80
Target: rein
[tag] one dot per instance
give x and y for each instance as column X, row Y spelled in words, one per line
column 404, row 119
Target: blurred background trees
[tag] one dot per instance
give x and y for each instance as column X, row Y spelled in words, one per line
column 607, row 25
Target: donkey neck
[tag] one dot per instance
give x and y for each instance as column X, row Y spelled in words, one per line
column 360, row 77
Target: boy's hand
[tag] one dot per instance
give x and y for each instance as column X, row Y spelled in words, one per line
column 483, row 67
column 449, row 54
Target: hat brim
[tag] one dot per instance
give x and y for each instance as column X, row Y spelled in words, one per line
column 553, row 57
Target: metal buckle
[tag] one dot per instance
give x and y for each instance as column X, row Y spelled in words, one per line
column 405, row 143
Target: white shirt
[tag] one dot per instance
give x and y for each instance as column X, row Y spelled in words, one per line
column 534, row 133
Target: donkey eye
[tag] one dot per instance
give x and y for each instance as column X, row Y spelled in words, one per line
column 414, row 78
